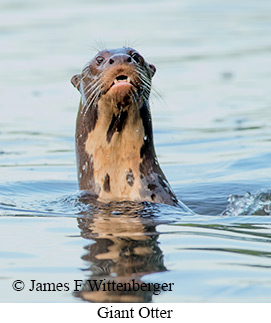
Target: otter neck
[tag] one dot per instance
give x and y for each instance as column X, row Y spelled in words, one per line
column 115, row 146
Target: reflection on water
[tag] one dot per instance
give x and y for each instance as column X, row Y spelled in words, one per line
column 128, row 243
column 123, row 249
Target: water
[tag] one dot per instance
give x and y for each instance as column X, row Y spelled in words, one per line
column 212, row 135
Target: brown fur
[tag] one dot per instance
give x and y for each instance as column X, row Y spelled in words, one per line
column 120, row 155
column 115, row 153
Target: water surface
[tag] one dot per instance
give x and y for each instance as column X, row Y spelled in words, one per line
column 212, row 136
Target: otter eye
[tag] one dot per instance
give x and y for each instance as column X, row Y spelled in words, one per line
column 137, row 57
column 99, row 60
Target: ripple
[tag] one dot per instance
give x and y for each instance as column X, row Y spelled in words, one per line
column 249, row 204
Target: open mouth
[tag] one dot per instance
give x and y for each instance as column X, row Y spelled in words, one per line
column 121, row 79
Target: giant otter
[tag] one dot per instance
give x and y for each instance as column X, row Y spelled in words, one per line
column 116, row 159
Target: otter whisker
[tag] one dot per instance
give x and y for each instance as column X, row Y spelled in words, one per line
column 91, row 86
column 88, row 98
column 133, row 96
column 144, row 85
column 156, row 92
column 92, row 98
column 144, row 80
column 144, row 75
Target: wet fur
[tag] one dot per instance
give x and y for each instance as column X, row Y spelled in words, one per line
column 116, row 158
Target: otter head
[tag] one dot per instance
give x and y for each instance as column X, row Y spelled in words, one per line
column 115, row 152
column 118, row 77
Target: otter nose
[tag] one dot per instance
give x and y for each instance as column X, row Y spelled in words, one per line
column 117, row 59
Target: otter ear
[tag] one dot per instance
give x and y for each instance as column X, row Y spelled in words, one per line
column 153, row 69
column 76, row 79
